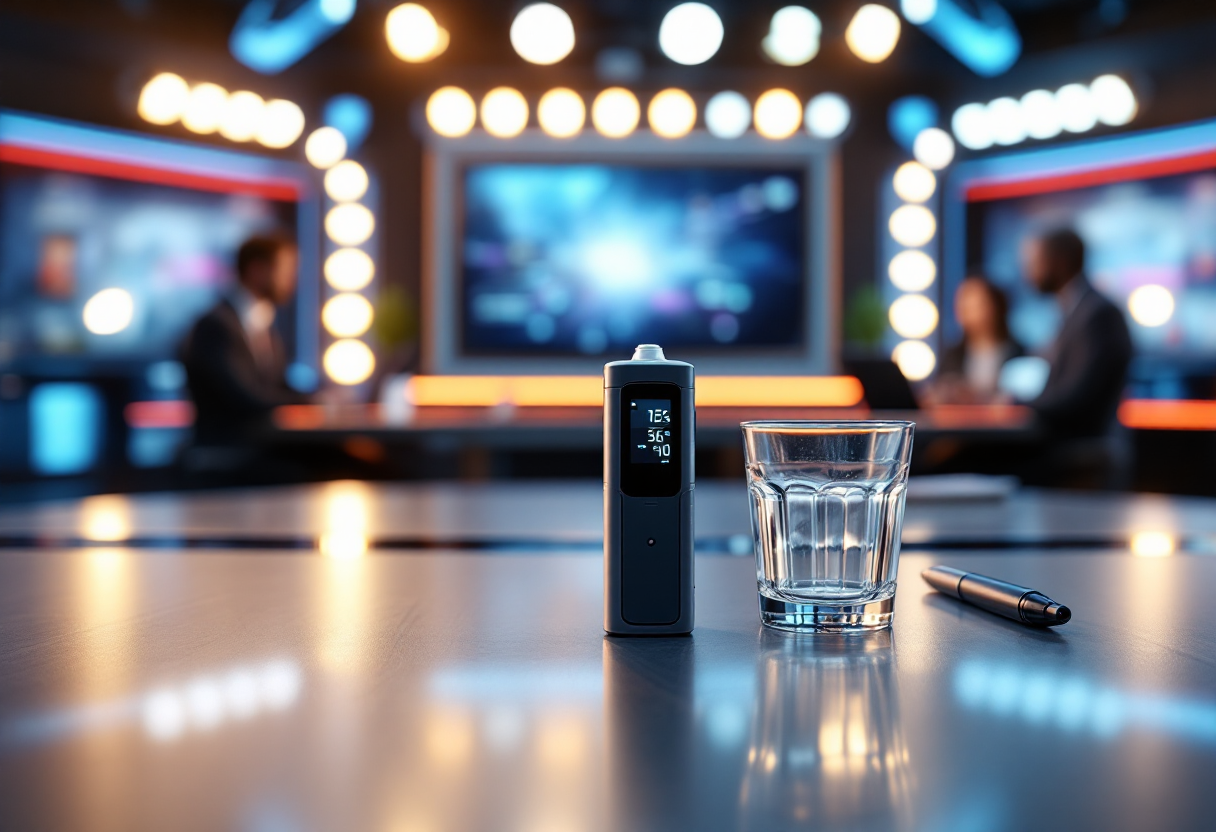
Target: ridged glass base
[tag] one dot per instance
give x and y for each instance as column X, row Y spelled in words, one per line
column 828, row 617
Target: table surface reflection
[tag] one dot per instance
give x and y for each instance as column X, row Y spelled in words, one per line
column 518, row 513
column 269, row 691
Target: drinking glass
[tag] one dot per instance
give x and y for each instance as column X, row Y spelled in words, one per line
column 827, row 508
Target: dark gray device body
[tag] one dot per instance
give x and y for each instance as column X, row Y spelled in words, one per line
column 648, row 495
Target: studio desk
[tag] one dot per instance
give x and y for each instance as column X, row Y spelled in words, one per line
column 406, row 658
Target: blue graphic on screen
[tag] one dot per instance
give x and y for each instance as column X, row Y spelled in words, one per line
column 1153, row 233
column 562, row 259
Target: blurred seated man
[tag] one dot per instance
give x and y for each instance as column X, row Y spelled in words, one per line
column 1089, row 359
column 971, row 369
column 1091, row 353
column 234, row 358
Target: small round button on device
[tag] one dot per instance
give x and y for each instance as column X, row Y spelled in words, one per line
column 650, row 541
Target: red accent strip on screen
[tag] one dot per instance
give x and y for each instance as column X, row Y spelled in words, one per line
column 982, row 191
column 159, row 414
column 282, row 190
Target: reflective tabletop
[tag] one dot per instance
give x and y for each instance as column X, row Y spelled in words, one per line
column 347, row 688
column 546, row 513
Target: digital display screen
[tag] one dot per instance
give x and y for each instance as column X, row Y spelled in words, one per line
column 651, row 462
column 650, row 429
column 591, row 258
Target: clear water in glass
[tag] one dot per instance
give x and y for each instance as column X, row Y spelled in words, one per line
column 827, row 508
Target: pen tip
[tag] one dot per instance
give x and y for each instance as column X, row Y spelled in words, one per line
column 1061, row 613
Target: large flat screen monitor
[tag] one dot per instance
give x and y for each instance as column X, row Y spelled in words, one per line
column 1145, row 205
column 64, row 237
column 85, row 210
column 1158, row 232
column 564, row 260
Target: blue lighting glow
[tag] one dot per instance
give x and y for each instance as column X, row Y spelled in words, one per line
column 337, row 11
column 155, row 447
column 908, row 116
column 302, row 377
column 1076, row 704
column 268, row 44
column 350, row 115
column 985, row 40
column 509, row 683
column 65, row 428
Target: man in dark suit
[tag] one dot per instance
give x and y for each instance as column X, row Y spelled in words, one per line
column 235, row 360
column 1091, row 354
column 1089, row 362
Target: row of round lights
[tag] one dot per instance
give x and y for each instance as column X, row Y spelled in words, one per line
column 1042, row 114
column 349, row 224
column 912, row 315
column 207, row 108
column 616, row 113
column 690, row 34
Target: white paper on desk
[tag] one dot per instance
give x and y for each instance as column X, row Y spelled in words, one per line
column 961, row 487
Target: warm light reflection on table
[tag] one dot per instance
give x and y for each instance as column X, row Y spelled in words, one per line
column 827, row 745
column 105, row 518
column 1152, row 544
column 346, row 509
column 344, row 590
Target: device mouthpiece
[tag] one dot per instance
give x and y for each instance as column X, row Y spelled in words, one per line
column 648, row 352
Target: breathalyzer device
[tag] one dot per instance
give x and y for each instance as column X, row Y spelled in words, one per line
column 649, row 431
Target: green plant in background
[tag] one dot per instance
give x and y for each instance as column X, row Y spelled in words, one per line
column 396, row 321
column 865, row 319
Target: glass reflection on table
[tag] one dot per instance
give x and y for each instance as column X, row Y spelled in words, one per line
column 827, row 747
column 506, row 740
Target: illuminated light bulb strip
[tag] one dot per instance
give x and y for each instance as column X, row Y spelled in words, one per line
column 912, row 315
column 348, row 315
column 1042, row 114
column 207, row 108
column 616, row 112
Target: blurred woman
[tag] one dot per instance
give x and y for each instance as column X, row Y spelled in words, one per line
column 971, row 369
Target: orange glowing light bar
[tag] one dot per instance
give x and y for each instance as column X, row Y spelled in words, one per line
column 778, row 391
column 488, row 391
column 588, row 391
column 1168, row 414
